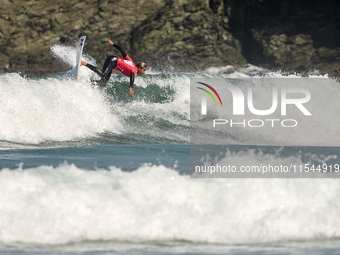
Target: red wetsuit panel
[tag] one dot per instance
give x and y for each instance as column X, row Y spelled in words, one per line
column 126, row 66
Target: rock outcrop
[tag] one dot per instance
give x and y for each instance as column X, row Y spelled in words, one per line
column 179, row 35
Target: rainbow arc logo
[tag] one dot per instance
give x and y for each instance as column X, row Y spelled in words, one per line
column 204, row 100
column 213, row 90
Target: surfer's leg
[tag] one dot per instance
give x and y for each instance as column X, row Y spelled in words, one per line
column 105, row 73
column 95, row 69
column 109, row 64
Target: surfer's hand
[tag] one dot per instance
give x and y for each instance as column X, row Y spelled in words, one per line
column 111, row 42
column 83, row 63
column 131, row 91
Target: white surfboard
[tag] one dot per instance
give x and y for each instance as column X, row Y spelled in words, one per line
column 80, row 46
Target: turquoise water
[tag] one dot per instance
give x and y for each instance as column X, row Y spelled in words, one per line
column 125, row 157
column 92, row 171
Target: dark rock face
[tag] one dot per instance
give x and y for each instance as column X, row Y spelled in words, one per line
column 179, row 35
column 290, row 35
column 189, row 35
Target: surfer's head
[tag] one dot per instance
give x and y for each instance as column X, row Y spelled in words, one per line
column 141, row 68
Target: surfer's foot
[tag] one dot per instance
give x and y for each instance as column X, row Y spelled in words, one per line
column 83, row 63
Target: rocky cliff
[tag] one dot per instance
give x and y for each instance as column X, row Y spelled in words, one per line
column 180, row 35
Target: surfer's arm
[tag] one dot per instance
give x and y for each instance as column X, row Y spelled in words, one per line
column 118, row 48
column 132, row 80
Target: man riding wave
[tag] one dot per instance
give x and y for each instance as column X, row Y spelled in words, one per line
column 124, row 65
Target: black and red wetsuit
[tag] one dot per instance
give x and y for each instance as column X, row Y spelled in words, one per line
column 124, row 65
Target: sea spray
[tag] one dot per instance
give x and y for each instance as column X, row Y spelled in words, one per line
column 36, row 110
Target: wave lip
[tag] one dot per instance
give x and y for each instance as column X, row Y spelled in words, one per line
column 61, row 111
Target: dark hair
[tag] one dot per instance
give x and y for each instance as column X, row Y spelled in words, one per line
column 141, row 65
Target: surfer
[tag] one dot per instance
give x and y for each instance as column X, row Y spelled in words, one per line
column 124, row 65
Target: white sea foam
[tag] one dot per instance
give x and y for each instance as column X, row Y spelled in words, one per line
column 36, row 110
column 65, row 204
column 58, row 108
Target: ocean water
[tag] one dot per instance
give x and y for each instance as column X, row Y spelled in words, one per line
column 86, row 170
